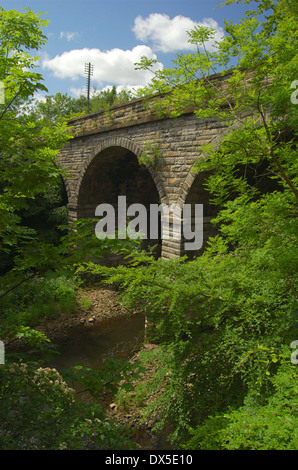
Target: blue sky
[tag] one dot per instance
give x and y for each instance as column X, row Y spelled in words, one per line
column 113, row 34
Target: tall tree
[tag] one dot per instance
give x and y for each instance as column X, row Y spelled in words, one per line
column 28, row 172
column 27, row 150
column 29, row 144
column 226, row 320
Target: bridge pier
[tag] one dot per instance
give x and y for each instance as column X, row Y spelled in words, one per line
column 171, row 248
column 173, row 243
column 72, row 214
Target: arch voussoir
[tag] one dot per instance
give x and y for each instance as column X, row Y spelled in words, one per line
column 115, row 142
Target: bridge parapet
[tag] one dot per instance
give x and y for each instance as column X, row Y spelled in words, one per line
column 132, row 113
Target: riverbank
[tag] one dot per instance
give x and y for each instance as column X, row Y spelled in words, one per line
column 96, row 308
column 129, row 410
column 95, row 305
column 104, row 309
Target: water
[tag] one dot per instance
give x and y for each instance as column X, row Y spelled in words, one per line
column 90, row 346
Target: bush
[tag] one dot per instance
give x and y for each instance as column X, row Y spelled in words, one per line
column 256, row 426
column 38, row 411
column 40, row 298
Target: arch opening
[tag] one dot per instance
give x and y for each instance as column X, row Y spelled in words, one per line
column 113, row 172
column 198, row 194
column 255, row 175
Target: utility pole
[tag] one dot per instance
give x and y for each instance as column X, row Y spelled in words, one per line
column 89, row 72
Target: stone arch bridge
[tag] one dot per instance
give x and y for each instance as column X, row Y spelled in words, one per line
column 103, row 162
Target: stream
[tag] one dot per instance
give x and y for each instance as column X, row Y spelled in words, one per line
column 90, row 346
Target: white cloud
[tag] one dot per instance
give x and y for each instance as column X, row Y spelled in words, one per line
column 77, row 92
column 29, row 106
column 39, row 97
column 68, row 35
column 115, row 66
column 168, row 35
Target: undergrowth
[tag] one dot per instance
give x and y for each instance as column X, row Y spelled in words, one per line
column 42, row 298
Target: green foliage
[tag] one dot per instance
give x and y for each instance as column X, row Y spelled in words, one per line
column 256, row 425
column 85, row 303
column 38, row 410
column 104, row 99
column 107, row 377
column 49, row 270
column 46, row 213
column 225, row 319
column 38, row 299
column 36, row 346
column 53, row 108
column 28, row 148
column 222, row 319
column 150, row 155
column 20, row 33
column 135, row 395
column 58, row 107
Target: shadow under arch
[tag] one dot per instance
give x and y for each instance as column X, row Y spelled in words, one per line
column 194, row 192
column 66, row 183
column 113, row 170
column 129, row 145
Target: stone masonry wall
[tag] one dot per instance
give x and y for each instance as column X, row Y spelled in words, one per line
column 132, row 126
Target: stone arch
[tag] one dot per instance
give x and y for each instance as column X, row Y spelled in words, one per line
column 192, row 174
column 185, row 187
column 112, row 170
column 194, row 192
column 127, row 144
column 68, row 188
